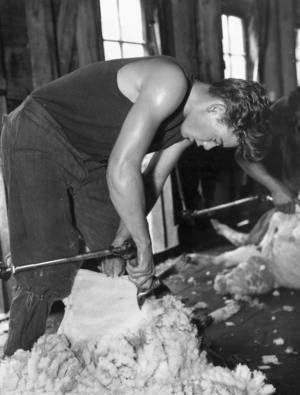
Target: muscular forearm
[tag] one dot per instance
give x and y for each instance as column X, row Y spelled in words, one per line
column 259, row 173
column 127, row 194
column 152, row 190
column 283, row 199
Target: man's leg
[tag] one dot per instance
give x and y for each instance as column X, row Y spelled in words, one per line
column 41, row 229
column 95, row 215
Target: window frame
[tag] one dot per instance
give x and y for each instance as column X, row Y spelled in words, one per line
column 246, row 51
column 122, row 41
column 242, row 9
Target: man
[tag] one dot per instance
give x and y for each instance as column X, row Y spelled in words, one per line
column 72, row 155
column 283, row 184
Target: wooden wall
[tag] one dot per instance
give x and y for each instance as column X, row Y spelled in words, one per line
column 44, row 39
column 15, row 51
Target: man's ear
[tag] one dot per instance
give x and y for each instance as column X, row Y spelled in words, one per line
column 217, row 108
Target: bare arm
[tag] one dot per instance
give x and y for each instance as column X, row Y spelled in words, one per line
column 160, row 94
column 283, row 198
column 154, row 176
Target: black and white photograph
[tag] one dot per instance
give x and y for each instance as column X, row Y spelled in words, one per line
column 149, row 197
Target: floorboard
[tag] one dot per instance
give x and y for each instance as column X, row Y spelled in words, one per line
column 252, row 331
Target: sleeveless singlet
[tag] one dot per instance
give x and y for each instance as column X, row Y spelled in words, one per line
column 91, row 109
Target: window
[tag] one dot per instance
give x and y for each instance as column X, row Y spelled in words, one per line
column 233, row 47
column 122, row 29
column 297, row 55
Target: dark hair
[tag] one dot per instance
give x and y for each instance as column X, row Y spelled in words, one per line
column 247, row 111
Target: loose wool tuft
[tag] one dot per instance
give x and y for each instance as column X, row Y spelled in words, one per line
column 159, row 354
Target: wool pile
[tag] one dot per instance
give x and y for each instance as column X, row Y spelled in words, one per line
column 281, row 247
column 158, row 353
column 259, row 269
column 250, row 277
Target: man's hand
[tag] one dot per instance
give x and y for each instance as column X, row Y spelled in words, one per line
column 112, row 267
column 141, row 270
column 284, row 200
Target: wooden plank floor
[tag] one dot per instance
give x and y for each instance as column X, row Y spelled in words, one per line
column 252, row 331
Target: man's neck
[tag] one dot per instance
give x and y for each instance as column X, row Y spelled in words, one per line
column 199, row 96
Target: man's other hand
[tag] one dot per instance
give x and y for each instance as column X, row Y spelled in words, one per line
column 112, row 267
column 284, row 200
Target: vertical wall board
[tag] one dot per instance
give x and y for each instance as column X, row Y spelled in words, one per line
column 177, row 26
column 166, row 26
column 3, row 108
column 253, row 47
column 66, row 28
column 297, row 13
column 150, row 15
column 209, row 37
column 184, row 33
column 7, row 287
column 157, row 228
column 86, row 34
column 163, row 231
column 18, row 73
column 3, row 85
column 238, row 7
column 272, row 70
column 16, row 56
column 6, row 292
column 4, row 230
column 13, row 22
column 286, row 27
column 42, row 41
column 98, row 29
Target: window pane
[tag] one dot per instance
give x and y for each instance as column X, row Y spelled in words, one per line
column 112, row 50
column 238, row 66
column 133, row 50
column 227, row 71
column 131, row 20
column 236, row 35
column 225, row 33
column 298, row 44
column 109, row 19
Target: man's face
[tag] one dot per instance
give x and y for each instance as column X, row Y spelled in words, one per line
column 207, row 130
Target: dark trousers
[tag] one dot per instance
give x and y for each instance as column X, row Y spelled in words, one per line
column 57, row 197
